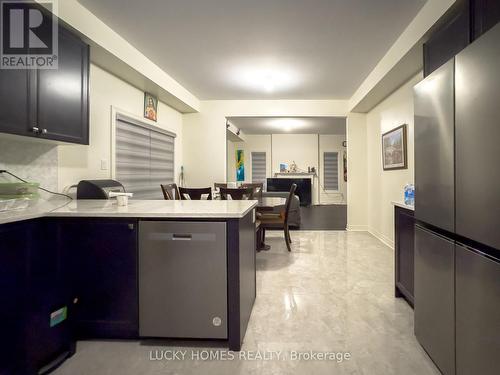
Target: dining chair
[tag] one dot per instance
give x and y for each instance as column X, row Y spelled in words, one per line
column 257, row 188
column 195, row 194
column 278, row 220
column 237, row 194
column 170, row 192
column 219, row 185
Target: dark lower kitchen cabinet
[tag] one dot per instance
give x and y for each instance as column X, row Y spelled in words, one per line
column 49, row 103
column 404, row 238
column 14, row 250
column 477, row 312
column 101, row 263
column 34, row 300
column 435, row 297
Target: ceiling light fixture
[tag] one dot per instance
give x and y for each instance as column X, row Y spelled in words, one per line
column 265, row 79
column 287, row 124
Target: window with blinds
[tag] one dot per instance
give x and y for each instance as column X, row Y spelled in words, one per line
column 144, row 157
column 331, row 170
column 259, row 167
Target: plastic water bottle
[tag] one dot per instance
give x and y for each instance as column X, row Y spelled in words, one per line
column 409, row 193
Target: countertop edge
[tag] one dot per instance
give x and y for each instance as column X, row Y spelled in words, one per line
column 403, row 205
column 54, row 213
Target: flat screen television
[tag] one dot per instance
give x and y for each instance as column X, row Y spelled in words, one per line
column 283, row 184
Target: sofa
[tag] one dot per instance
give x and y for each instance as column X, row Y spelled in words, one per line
column 294, row 215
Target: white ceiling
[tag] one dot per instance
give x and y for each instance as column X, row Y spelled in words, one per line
column 290, row 125
column 261, row 49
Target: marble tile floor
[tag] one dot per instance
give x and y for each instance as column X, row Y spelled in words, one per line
column 334, row 293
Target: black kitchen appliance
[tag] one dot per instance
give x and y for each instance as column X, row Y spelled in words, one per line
column 457, row 201
column 97, row 189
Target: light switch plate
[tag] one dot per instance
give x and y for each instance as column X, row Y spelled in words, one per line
column 104, row 165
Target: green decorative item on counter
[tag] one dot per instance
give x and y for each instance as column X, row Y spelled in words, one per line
column 18, row 189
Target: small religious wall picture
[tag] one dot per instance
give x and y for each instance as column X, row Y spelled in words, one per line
column 150, row 107
column 394, row 153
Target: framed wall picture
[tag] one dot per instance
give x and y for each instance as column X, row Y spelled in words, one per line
column 394, row 149
column 150, row 107
column 240, row 165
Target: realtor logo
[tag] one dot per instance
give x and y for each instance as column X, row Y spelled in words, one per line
column 29, row 35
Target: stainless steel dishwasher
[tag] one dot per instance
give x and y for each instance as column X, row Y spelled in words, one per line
column 182, row 279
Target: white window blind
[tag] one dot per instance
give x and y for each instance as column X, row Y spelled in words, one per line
column 259, row 167
column 331, row 170
column 144, row 157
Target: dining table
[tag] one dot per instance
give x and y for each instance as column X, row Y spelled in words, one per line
column 269, row 203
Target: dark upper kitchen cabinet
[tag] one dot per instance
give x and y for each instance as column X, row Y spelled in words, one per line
column 477, row 134
column 101, row 264
column 16, row 92
column 62, row 95
column 466, row 21
column 477, row 312
column 435, row 297
column 434, row 148
column 450, row 38
column 486, row 14
column 49, row 103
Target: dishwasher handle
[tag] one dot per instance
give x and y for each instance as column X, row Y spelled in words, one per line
column 182, row 237
column 179, row 236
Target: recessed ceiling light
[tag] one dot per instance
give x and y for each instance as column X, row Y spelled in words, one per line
column 287, row 124
column 264, row 79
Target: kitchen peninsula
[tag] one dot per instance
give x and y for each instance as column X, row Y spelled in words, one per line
column 92, row 270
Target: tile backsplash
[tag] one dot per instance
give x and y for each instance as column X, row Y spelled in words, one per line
column 32, row 161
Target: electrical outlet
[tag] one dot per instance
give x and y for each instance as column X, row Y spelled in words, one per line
column 104, row 165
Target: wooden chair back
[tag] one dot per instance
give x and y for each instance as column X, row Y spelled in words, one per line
column 195, row 194
column 288, row 202
column 257, row 188
column 236, row 194
column 219, row 185
column 170, row 192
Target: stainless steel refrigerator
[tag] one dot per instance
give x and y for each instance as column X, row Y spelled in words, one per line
column 457, row 208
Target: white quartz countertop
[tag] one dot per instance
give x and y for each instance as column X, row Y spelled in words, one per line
column 403, row 205
column 215, row 209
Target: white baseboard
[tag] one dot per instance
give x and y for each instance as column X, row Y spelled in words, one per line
column 357, row 228
column 382, row 238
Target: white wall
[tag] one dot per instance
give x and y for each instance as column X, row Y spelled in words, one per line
column 357, row 172
column 386, row 186
column 32, row 160
column 205, row 132
column 253, row 143
column 77, row 162
column 301, row 148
